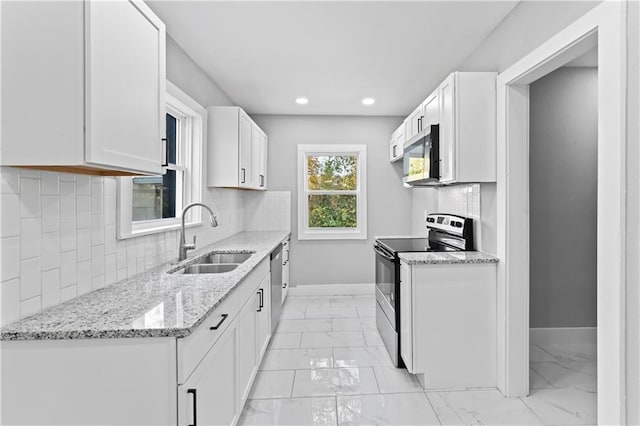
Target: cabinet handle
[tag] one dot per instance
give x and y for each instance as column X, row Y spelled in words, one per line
column 215, row 327
column 394, row 150
column 195, row 407
column 261, row 180
column 165, row 155
column 261, row 294
column 284, row 285
column 243, row 173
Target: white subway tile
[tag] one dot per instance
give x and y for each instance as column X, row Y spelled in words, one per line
column 97, row 260
column 50, row 185
column 110, row 210
column 67, row 199
column 83, row 184
column 30, row 306
column 97, row 229
column 97, row 197
column 30, row 278
column 140, row 265
column 110, row 269
column 10, row 296
column 50, row 288
column 30, row 238
column 84, row 277
column 9, row 180
column 10, row 249
column 68, row 269
column 66, row 177
column 121, row 257
column 97, row 282
column 29, row 197
column 68, row 233
column 68, row 293
column 83, row 244
column 122, row 274
column 50, row 250
column 10, row 217
column 110, row 239
column 29, row 173
column 83, row 211
column 50, row 213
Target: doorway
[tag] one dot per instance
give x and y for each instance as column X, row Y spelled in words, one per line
column 604, row 26
column 563, row 173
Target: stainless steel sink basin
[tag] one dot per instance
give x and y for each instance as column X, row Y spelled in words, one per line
column 224, row 258
column 199, row 268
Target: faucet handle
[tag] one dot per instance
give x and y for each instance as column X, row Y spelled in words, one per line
column 190, row 246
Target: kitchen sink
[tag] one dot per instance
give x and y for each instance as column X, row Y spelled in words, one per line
column 214, row 258
column 199, row 268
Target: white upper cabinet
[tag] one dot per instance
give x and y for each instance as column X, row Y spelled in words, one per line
column 83, row 87
column 468, row 127
column 396, row 145
column 464, row 107
column 237, row 150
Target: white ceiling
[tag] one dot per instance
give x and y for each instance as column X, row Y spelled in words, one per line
column 265, row 54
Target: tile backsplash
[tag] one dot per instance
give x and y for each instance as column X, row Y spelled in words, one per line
column 267, row 211
column 58, row 238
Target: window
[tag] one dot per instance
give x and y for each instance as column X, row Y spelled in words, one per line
column 332, row 192
column 149, row 204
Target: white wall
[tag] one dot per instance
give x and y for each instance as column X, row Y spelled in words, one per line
column 58, row 230
column 530, row 24
column 563, row 157
column 389, row 204
column 633, row 216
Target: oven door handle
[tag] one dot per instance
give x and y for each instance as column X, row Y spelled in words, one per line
column 379, row 251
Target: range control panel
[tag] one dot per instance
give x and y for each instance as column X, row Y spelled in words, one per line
column 449, row 223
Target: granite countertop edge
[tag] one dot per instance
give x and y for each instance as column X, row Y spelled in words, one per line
column 447, row 258
column 27, row 328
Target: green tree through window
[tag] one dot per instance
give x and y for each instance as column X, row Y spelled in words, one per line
column 331, row 184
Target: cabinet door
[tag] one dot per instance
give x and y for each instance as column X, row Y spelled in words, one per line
column 264, row 317
column 209, row 397
column 285, row 269
column 431, row 110
column 247, row 351
column 397, row 144
column 414, row 122
column 261, row 160
column 406, row 335
column 245, row 148
column 447, row 130
column 125, row 86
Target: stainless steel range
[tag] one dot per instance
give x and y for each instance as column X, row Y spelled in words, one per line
column 446, row 233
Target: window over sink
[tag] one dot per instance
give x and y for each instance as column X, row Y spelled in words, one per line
column 149, row 204
column 332, row 192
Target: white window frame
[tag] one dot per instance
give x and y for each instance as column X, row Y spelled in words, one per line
column 193, row 118
column 307, row 233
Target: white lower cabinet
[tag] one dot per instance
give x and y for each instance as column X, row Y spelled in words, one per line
column 247, row 345
column 263, row 318
column 448, row 324
column 286, row 268
column 209, row 396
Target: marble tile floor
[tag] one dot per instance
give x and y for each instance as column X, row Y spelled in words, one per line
column 326, row 365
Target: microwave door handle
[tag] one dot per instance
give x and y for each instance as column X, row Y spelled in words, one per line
column 379, row 251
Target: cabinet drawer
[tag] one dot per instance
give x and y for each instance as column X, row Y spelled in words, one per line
column 193, row 348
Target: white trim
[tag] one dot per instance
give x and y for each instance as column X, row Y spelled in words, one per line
column 195, row 116
column 571, row 335
column 607, row 21
column 358, row 233
column 332, row 290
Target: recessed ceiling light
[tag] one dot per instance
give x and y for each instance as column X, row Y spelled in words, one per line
column 302, row 101
column 368, row 101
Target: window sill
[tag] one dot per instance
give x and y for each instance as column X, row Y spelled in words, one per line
column 157, row 230
column 331, row 235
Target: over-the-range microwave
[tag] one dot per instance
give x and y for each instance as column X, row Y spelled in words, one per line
column 421, row 161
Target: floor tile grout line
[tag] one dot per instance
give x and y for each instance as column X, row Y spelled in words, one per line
column 532, row 410
column 432, row 407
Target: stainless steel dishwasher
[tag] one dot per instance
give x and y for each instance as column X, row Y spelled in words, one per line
column 276, row 286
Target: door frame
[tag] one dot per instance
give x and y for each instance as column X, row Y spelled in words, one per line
column 604, row 26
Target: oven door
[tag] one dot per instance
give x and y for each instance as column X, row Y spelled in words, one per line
column 386, row 296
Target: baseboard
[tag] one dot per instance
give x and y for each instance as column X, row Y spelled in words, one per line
column 332, row 290
column 547, row 336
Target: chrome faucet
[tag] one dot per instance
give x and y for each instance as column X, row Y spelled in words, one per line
column 184, row 246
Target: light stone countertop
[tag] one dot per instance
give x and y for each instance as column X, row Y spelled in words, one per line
column 150, row 304
column 453, row 257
